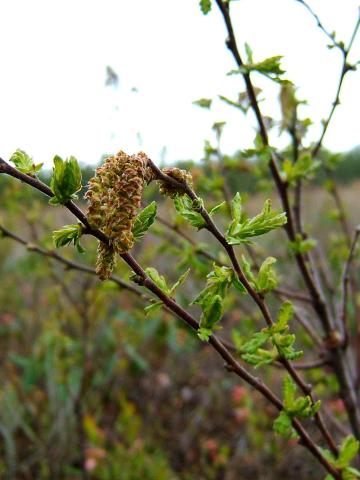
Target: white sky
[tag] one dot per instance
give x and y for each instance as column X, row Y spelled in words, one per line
column 54, row 54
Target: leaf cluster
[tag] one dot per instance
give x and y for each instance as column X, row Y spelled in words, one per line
column 160, row 282
column 348, row 450
column 211, row 298
column 242, row 228
column 294, row 407
column 277, row 335
column 67, row 235
column 65, row 181
column 24, row 163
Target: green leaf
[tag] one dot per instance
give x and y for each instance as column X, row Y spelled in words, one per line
column 144, row 220
column 24, row 163
column 249, row 53
column 186, row 208
column 266, row 280
column 204, row 334
column 212, row 312
column 240, row 231
column 256, row 341
column 205, row 6
column 299, row 245
column 348, row 450
column 234, row 103
column 203, row 103
column 68, row 234
column 289, row 390
column 286, row 312
column 217, row 208
column 283, row 425
column 303, row 168
column 158, row 279
column 154, row 307
column 180, row 281
column 66, row 180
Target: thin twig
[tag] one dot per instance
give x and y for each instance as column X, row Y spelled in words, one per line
column 144, row 280
column 342, row 369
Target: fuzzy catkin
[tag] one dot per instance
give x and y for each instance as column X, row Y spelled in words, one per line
column 181, row 176
column 114, row 197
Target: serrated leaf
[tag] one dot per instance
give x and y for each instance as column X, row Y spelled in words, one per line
column 348, row 450
column 289, row 390
column 240, row 231
column 24, row 163
column 144, row 220
column 158, row 279
column 217, row 208
column 154, row 307
column 282, row 424
column 67, row 235
column 266, row 279
column 212, row 312
column 65, row 181
column 184, row 206
column 204, row 334
column 286, row 312
column 180, row 281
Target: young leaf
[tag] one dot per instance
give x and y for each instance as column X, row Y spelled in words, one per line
column 217, row 208
column 205, row 6
column 152, row 308
column 158, row 279
column 68, row 234
column 180, row 281
column 203, row 102
column 144, row 220
column 24, row 163
column 289, row 390
column 212, row 313
column 240, row 231
column 283, row 425
column 185, row 206
column 66, row 180
column 285, row 314
column 348, row 450
column 266, row 280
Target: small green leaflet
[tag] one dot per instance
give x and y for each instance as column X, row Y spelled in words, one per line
column 66, row 180
column 270, row 67
column 205, row 6
column 300, row 245
column 211, row 315
column 300, row 407
column 160, row 281
column 68, row 234
column 203, row 103
column 144, row 220
column 241, row 229
column 347, row 452
column 186, row 208
column 266, row 280
column 24, row 163
column 303, row 168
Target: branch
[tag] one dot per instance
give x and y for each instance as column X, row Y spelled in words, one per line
column 342, row 369
column 143, row 279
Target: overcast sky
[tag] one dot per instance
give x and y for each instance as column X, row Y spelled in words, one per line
column 53, row 97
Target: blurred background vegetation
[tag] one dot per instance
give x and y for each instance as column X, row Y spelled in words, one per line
column 94, row 389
